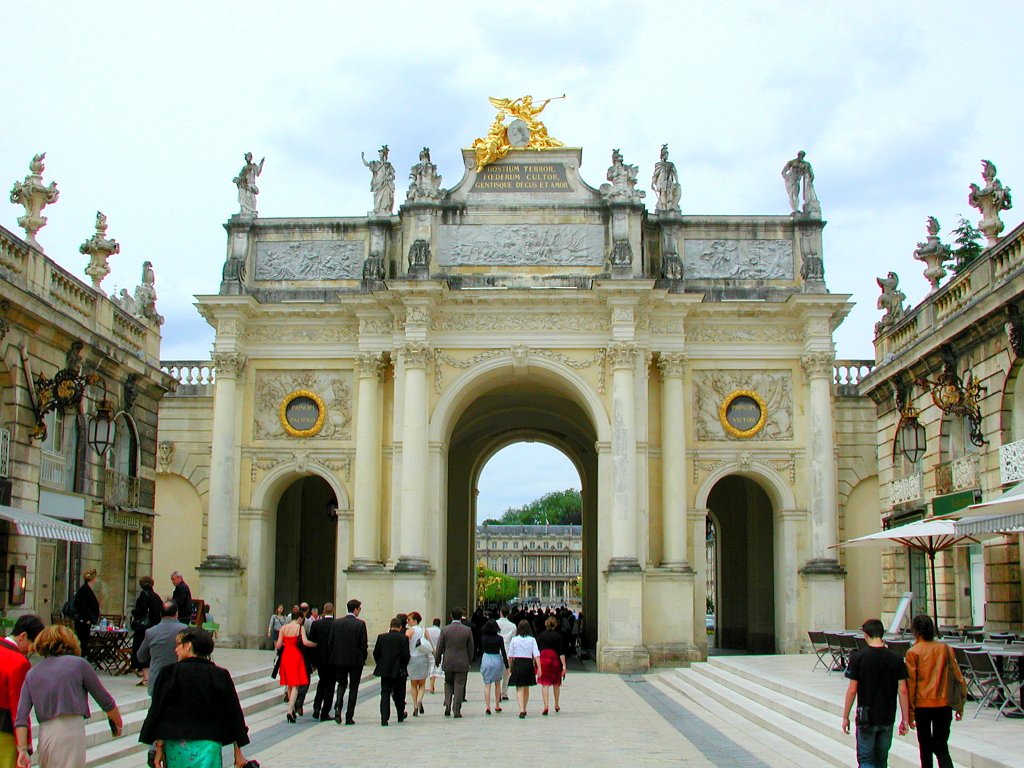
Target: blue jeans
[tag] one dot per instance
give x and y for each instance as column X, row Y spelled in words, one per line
column 873, row 742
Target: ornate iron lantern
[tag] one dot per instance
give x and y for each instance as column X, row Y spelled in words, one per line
column 101, row 425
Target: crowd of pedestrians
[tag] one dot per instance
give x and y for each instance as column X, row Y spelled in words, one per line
column 515, row 647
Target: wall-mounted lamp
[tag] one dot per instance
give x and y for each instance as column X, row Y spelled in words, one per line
column 101, row 425
column 332, row 510
column 17, row 585
column 912, row 435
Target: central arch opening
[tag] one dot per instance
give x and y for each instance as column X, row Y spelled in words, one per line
column 305, row 543
column 506, row 415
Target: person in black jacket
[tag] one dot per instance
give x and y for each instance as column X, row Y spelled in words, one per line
column 182, row 595
column 391, row 652
column 347, row 649
column 195, row 708
column 145, row 614
column 320, row 632
column 87, row 610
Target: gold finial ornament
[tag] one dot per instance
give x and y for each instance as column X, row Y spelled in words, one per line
column 524, row 132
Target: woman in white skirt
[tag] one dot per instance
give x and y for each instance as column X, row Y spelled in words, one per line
column 58, row 687
column 524, row 656
column 421, row 651
column 433, row 633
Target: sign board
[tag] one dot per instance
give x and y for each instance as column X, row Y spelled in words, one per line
column 302, row 413
column 902, row 610
column 522, row 177
column 122, row 520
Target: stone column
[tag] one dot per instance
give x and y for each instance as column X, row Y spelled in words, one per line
column 366, row 517
column 414, row 457
column 673, row 461
column 222, row 527
column 823, row 477
column 624, row 493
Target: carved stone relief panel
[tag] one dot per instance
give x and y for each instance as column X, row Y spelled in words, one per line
column 333, row 387
column 333, row 333
column 712, row 387
column 521, row 245
column 738, row 259
column 742, row 333
column 518, row 321
column 310, row 260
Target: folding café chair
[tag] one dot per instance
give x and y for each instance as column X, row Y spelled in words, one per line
column 973, row 689
column 861, row 642
column 820, row 647
column 899, row 647
column 990, row 682
column 848, row 644
column 836, row 651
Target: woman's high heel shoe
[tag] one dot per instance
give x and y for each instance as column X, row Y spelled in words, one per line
column 421, row 708
column 557, row 709
column 497, row 709
column 545, row 712
column 290, row 717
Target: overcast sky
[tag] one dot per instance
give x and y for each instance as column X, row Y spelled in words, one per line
column 145, row 111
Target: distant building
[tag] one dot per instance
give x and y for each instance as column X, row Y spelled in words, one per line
column 546, row 559
column 72, row 362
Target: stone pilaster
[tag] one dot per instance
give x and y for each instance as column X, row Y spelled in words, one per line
column 823, row 478
column 624, row 492
column 369, row 368
column 222, row 529
column 673, row 458
column 415, row 357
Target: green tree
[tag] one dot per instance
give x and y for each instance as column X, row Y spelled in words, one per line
column 556, row 508
column 966, row 245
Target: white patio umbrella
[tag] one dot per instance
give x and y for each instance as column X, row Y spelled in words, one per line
column 929, row 536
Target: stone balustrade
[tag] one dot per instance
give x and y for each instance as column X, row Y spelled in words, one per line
column 190, row 373
column 847, row 374
column 1011, row 462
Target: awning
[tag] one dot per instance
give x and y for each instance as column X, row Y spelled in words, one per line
column 43, row 526
column 1011, row 522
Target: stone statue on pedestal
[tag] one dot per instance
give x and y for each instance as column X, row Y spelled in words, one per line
column 665, row 184
column 622, row 180
column 891, row 301
column 382, row 183
column 933, row 253
column 34, row 196
column 145, row 295
column 799, row 176
column 990, row 200
column 246, row 183
column 426, row 183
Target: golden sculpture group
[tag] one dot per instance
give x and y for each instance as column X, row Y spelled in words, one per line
column 496, row 145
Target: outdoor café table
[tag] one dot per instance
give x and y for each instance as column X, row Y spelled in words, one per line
column 104, row 649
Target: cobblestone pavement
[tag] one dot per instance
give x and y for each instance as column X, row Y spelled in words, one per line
column 606, row 720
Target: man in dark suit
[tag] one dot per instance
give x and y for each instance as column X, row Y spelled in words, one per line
column 347, row 649
column 391, row 652
column 319, row 632
column 455, row 647
column 182, row 595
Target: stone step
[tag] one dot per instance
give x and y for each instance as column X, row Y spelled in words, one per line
column 977, row 751
column 256, row 692
column 808, row 725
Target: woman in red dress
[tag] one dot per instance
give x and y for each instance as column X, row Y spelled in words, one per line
column 552, row 661
column 293, row 672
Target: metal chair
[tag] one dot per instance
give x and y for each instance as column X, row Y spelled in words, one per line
column 990, row 683
column 899, row 647
column 1001, row 637
column 820, row 647
column 973, row 689
column 836, row 650
column 861, row 642
column 848, row 644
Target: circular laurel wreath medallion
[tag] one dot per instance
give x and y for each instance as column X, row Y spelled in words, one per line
column 743, row 413
column 302, row 413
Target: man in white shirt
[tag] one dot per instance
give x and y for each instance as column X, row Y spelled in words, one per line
column 507, row 630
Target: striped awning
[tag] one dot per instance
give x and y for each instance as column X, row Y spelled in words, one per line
column 1008, row 523
column 44, row 527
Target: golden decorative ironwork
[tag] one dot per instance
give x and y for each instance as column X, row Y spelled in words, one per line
column 496, row 144
column 320, row 418
column 960, row 398
column 723, row 413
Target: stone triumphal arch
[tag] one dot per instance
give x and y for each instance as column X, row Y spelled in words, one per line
column 683, row 363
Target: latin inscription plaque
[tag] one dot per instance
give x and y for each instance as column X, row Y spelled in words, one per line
column 743, row 413
column 522, row 177
column 302, row 414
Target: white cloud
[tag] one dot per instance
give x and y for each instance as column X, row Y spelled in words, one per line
column 506, row 482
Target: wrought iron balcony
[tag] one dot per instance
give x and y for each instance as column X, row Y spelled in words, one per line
column 5, row 452
column 120, row 490
column 958, row 475
column 905, row 489
column 52, row 467
column 1011, row 462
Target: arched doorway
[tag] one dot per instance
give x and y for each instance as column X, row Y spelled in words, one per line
column 306, row 543
column 506, row 414
column 744, row 565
